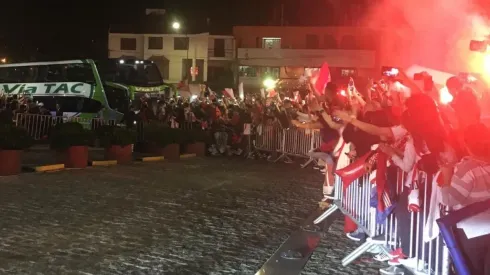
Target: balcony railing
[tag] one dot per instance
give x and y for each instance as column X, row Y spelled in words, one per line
column 221, row 53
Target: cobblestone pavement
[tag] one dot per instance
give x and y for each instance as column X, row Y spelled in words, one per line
column 212, row 216
column 332, row 249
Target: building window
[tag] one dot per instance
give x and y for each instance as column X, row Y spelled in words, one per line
column 128, row 44
column 348, row 72
column 348, row 42
column 272, row 72
column 329, row 42
column 219, row 48
column 312, row 41
column 367, row 42
column 186, row 69
column 271, row 43
column 200, row 70
column 247, row 71
column 155, row 43
column 181, row 43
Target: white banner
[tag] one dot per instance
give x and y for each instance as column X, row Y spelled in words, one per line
column 48, row 89
column 241, row 92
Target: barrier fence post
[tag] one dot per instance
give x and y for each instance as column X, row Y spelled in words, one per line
column 312, row 144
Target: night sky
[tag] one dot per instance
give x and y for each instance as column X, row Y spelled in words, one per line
column 54, row 29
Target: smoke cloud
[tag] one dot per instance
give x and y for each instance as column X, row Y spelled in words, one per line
column 439, row 32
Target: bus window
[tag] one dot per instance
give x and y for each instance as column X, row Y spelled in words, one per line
column 144, row 75
column 117, row 98
column 75, row 72
column 138, row 75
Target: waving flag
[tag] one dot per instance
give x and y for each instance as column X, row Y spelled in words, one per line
column 272, row 93
column 228, row 92
column 321, row 80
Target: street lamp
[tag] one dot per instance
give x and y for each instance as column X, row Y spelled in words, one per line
column 269, row 83
column 176, row 25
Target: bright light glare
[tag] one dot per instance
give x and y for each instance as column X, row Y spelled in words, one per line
column 4, row 60
column 121, row 61
column 175, row 25
column 269, row 83
column 193, row 97
column 393, row 72
column 471, row 78
column 445, row 96
column 486, row 63
column 343, row 93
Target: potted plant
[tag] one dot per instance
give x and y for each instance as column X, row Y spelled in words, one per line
column 118, row 143
column 164, row 141
column 198, row 139
column 71, row 141
column 13, row 140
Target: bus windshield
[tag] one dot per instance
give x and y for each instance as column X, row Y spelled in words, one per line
column 143, row 75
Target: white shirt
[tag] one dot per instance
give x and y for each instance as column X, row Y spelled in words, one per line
column 410, row 156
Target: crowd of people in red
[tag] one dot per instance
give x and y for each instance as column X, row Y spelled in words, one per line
column 392, row 126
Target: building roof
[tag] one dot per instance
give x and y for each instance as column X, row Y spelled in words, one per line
column 160, row 24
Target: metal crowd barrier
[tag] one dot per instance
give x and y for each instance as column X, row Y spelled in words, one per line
column 39, row 126
column 292, row 142
column 432, row 257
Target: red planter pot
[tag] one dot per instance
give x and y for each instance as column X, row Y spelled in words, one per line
column 123, row 154
column 75, row 157
column 170, row 152
column 10, row 162
column 198, row 148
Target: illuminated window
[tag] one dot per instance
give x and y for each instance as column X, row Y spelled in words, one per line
column 271, row 43
column 348, row 72
column 247, row 71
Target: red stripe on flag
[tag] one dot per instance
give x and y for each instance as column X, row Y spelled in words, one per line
column 323, row 79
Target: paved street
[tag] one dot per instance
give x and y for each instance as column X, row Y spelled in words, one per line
column 198, row 216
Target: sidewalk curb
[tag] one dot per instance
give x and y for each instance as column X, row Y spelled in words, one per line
column 103, row 162
column 152, row 159
column 49, row 168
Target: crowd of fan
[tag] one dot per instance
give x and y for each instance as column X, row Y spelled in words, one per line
column 224, row 117
column 390, row 126
column 11, row 106
column 412, row 129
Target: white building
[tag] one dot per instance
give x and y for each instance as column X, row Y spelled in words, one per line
column 177, row 55
column 289, row 53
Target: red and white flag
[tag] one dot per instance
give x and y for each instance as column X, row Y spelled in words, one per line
column 272, row 93
column 320, row 81
column 228, row 92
